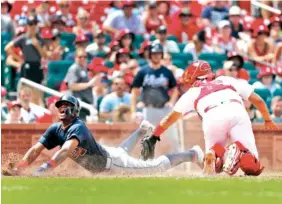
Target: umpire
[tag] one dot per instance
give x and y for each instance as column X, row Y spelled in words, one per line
column 156, row 81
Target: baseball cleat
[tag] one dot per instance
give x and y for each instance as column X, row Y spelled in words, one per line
column 209, row 163
column 147, row 127
column 199, row 157
column 231, row 163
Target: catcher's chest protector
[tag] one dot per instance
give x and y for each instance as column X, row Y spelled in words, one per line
column 210, row 87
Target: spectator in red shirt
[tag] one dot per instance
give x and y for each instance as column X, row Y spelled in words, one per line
column 235, row 68
column 152, row 19
column 64, row 11
column 58, row 22
column 186, row 28
column 164, row 11
column 83, row 26
column 114, row 47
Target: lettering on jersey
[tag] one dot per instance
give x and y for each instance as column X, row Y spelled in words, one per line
column 78, row 152
column 152, row 80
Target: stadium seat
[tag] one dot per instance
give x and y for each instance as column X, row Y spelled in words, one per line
column 138, row 40
column 67, row 40
column 101, row 54
column 186, row 57
column 213, row 56
column 181, row 46
column 57, row 71
column 264, row 94
column 108, row 38
column 215, row 65
column 249, row 66
column 134, row 55
column 251, row 81
column 109, row 64
column 179, row 63
column 253, row 74
column 258, row 120
column 278, row 92
column 142, row 62
column 173, row 38
column 152, row 38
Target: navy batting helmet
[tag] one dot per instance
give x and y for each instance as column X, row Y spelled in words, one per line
column 72, row 100
column 156, row 48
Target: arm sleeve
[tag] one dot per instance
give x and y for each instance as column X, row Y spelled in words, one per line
column 71, row 76
column 105, row 106
column 141, row 27
column 186, row 103
column 173, row 47
column 48, row 139
column 138, row 79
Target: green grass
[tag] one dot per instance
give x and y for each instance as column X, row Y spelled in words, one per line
column 141, row 190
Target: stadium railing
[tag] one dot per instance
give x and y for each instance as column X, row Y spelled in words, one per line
column 92, row 110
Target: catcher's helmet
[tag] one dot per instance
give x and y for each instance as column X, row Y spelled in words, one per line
column 72, row 100
column 156, row 48
column 198, row 68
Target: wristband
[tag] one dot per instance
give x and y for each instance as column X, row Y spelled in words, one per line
column 22, row 164
column 158, row 131
column 267, row 121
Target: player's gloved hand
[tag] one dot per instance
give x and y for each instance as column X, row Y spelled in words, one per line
column 148, row 147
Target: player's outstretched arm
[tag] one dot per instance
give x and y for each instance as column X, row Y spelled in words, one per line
column 258, row 102
column 58, row 157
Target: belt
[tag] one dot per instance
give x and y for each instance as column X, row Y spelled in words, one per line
column 211, row 107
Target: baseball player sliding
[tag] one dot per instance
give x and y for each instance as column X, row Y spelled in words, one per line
column 219, row 103
column 78, row 143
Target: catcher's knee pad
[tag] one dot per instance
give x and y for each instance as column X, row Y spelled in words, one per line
column 219, row 152
column 232, row 161
column 250, row 165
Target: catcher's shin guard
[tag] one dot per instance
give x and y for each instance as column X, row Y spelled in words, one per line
column 239, row 156
column 250, row 165
column 219, row 153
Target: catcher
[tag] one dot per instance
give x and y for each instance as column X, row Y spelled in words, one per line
column 77, row 143
column 220, row 106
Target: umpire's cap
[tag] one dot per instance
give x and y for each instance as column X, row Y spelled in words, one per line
column 72, row 100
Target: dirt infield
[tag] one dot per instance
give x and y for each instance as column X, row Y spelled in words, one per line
column 73, row 170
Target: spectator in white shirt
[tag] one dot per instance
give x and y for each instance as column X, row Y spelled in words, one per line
column 99, row 44
column 29, row 111
column 168, row 45
column 124, row 19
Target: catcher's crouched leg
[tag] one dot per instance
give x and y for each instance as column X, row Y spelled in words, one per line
column 213, row 160
column 239, row 156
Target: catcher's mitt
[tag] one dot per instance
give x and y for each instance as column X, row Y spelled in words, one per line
column 148, row 147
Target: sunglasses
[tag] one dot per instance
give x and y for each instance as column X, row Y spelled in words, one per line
column 83, row 18
column 232, row 70
column 201, row 79
column 83, row 56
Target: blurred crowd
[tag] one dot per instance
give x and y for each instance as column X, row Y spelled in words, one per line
column 126, row 58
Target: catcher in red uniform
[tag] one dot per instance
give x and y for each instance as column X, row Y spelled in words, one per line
column 219, row 103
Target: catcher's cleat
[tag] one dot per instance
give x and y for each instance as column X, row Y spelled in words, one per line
column 209, row 163
column 199, row 157
column 231, row 164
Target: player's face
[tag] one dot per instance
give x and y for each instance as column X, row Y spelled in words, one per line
column 63, row 115
column 156, row 58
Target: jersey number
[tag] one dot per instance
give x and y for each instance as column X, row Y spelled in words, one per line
column 78, row 152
